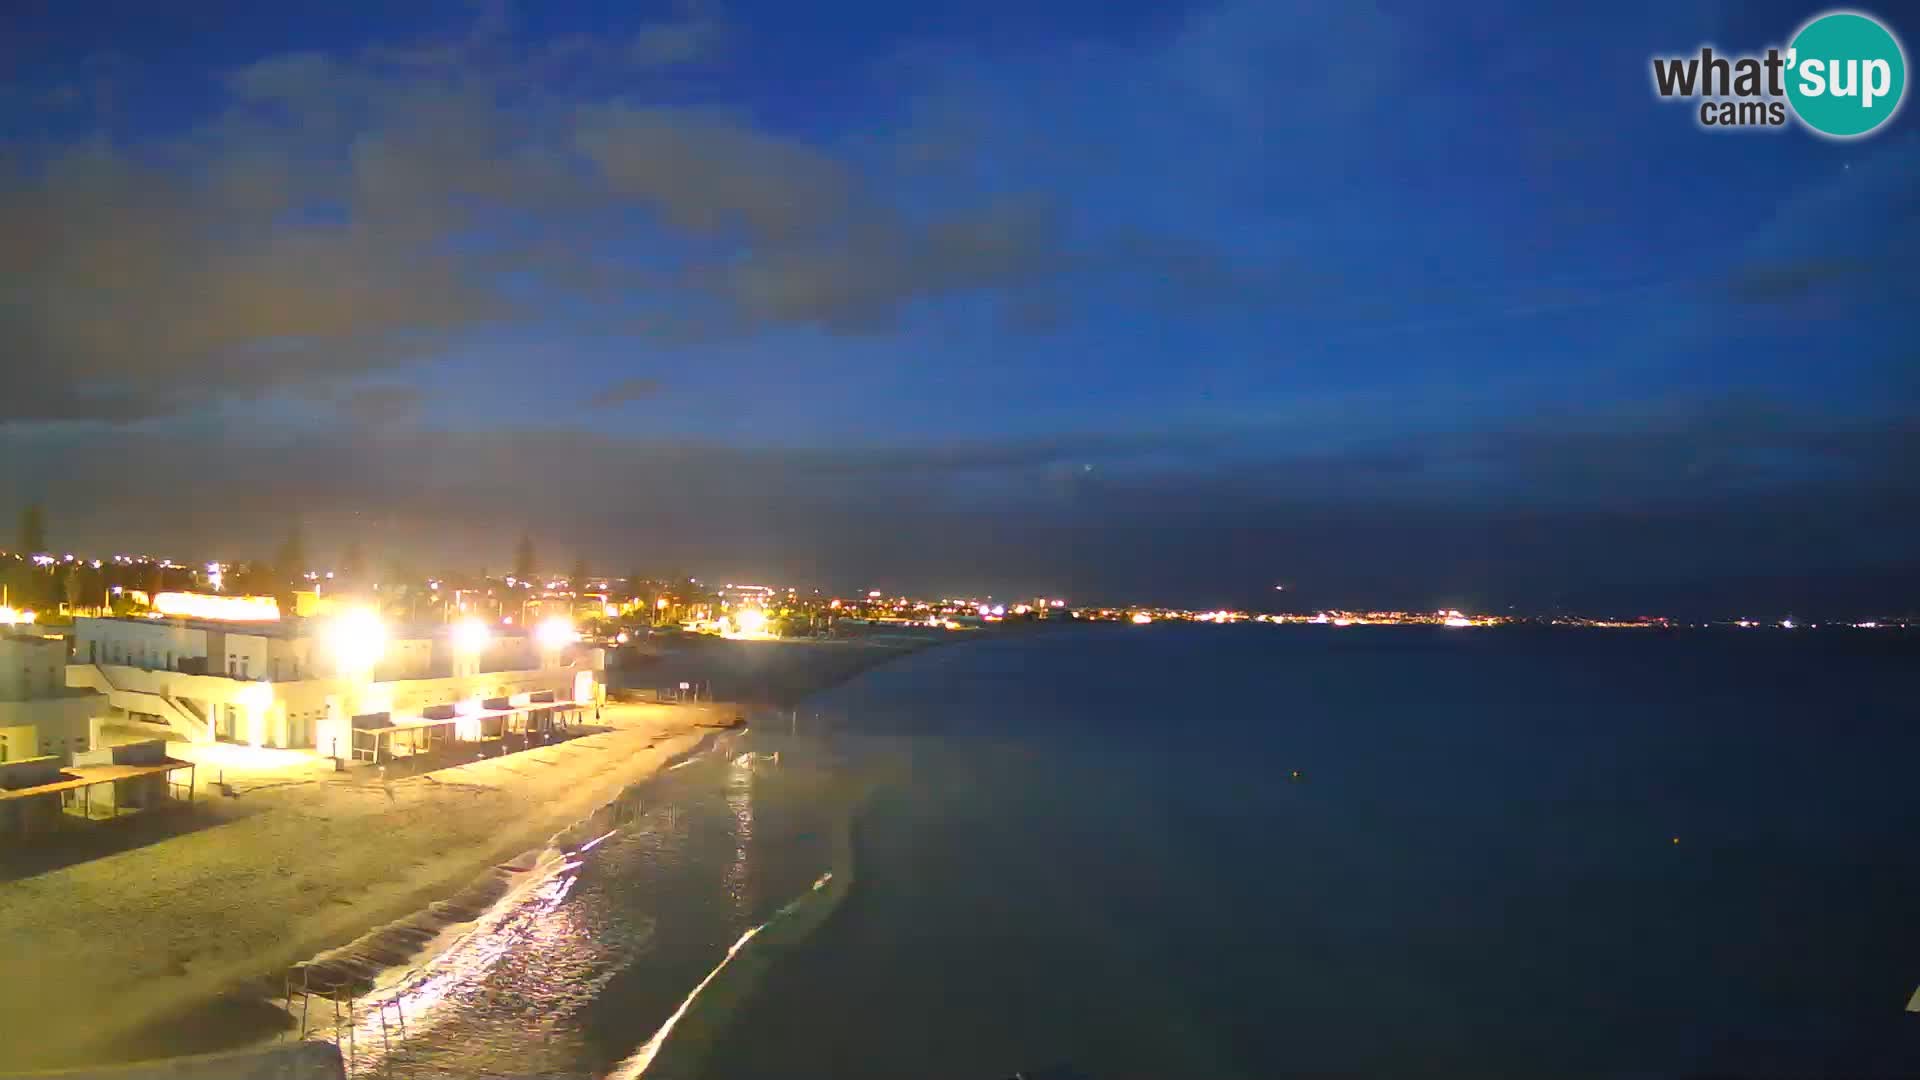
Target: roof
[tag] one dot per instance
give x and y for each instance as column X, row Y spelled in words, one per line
column 80, row 776
column 413, row 723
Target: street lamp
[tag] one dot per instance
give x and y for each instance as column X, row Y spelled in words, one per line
column 470, row 636
column 357, row 638
column 555, row 634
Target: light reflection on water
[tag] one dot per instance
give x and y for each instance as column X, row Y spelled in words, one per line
column 578, row 967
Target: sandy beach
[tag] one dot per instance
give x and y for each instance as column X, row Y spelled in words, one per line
column 99, row 950
column 175, row 945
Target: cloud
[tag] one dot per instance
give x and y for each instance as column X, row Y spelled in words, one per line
column 382, row 404
column 883, row 263
column 704, row 172
column 352, row 212
column 636, row 388
column 1519, row 512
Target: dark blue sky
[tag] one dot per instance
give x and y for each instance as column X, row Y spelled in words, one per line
column 1394, row 303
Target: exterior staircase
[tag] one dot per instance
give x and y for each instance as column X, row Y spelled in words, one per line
column 182, row 718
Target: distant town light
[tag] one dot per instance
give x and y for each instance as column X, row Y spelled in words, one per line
column 874, row 595
column 1141, row 618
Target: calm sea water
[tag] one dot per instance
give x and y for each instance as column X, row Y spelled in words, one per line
column 1087, row 853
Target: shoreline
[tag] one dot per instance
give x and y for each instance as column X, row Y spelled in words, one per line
column 184, row 942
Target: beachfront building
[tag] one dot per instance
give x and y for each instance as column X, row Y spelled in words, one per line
column 308, row 685
column 40, row 715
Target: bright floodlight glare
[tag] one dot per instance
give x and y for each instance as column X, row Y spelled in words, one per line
column 357, row 638
column 555, row 633
column 751, row 621
column 470, row 635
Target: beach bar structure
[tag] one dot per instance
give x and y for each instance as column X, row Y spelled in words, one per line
column 38, row 793
column 525, row 719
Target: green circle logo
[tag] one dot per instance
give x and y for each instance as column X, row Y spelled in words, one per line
column 1846, row 74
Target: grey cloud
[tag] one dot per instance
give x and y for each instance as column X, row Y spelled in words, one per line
column 1330, row 515
column 382, row 404
column 637, row 388
column 347, row 213
column 861, row 282
column 667, row 44
column 705, row 172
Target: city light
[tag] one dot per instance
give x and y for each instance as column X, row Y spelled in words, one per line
column 751, row 621
column 1141, row 618
column 470, row 636
column 357, row 639
column 555, row 634
column 661, row 603
column 185, row 605
column 15, row 616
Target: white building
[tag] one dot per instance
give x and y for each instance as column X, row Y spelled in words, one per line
column 294, row 684
column 39, row 715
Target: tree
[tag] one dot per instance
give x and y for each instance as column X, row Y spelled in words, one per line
column 523, row 558
column 578, row 578
column 292, row 557
column 33, row 530
column 75, row 584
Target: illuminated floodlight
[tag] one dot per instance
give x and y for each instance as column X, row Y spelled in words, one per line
column 1141, row 618
column 555, row 634
column 357, row 638
column 470, row 636
column 751, row 621
column 661, row 603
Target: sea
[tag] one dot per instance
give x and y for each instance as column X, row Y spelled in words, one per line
column 1239, row 851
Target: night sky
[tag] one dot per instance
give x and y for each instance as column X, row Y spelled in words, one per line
column 1398, row 304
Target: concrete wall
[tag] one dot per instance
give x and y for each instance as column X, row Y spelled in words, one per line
column 30, row 772
column 406, row 658
column 137, row 642
column 291, row 660
column 25, row 663
column 59, row 725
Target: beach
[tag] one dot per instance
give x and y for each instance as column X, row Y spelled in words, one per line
column 282, row 873
column 178, row 945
